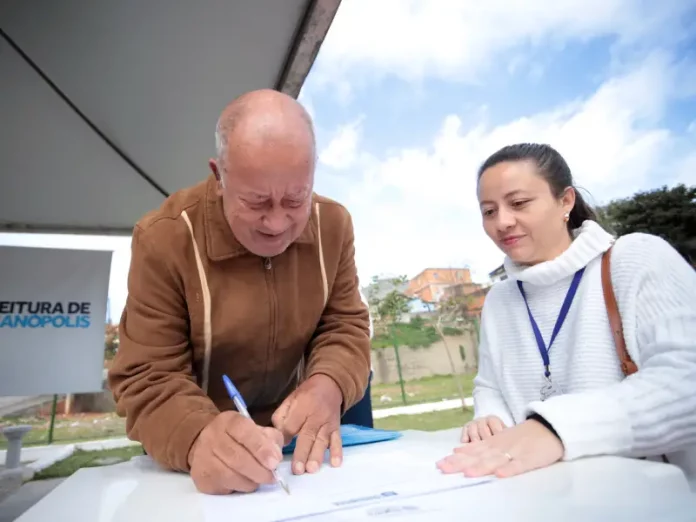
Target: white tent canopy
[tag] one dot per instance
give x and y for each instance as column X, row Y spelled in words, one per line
column 108, row 106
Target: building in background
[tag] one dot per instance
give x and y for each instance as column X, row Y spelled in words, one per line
column 498, row 274
column 378, row 289
column 430, row 284
column 428, row 290
column 475, row 294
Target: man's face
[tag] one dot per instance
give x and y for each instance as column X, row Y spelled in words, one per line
column 267, row 192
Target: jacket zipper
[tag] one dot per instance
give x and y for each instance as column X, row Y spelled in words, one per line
column 273, row 313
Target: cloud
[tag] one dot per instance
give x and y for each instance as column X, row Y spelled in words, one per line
column 417, row 207
column 685, row 170
column 460, row 39
column 342, row 151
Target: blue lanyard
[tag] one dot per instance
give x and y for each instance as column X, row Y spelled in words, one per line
column 559, row 322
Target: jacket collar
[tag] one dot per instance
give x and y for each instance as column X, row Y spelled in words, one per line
column 221, row 243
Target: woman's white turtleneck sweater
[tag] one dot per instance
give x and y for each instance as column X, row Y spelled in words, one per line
column 650, row 413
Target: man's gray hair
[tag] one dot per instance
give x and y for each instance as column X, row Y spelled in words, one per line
column 222, row 129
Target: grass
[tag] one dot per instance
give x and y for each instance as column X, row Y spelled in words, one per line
column 71, row 428
column 88, row 459
column 433, row 421
column 428, row 389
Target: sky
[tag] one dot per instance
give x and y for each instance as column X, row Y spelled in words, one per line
column 409, row 97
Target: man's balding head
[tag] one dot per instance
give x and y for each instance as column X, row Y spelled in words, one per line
column 261, row 113
column 265, row 169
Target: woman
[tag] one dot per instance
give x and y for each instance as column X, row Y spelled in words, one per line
column 550, row 386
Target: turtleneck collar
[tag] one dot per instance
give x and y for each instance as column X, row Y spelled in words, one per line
column 590, row 241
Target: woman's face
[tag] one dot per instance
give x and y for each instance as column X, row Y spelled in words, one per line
column 520, row 213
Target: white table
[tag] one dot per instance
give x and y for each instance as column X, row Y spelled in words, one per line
column 598, row 489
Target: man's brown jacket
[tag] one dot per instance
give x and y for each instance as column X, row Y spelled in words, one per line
column 200, row 305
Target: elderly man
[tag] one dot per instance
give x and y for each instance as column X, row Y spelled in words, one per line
column 252, row 275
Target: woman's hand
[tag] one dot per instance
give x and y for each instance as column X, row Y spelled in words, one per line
column 510, row 452
column 482, row 429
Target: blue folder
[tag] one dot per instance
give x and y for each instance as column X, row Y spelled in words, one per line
column 353, row 435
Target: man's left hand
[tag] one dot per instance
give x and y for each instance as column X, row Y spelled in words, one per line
column 313, row 413
column 525, row 447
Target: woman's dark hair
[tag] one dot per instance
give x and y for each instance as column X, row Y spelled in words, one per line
column 553, row 168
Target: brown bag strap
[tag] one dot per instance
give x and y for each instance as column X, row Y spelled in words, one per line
column 627, row 364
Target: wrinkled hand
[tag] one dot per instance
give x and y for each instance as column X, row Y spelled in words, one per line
column 482, row 429
column 513, row 451
column 313, row 413
column 233, row 454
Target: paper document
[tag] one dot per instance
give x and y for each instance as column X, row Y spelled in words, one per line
column 363, row 480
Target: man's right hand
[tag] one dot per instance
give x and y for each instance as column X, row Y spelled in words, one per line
column 482, row 429
column 232, row 453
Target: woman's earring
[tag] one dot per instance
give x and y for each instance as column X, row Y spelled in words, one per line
column 566, row 217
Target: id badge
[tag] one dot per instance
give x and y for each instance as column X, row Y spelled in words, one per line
column 549, row 389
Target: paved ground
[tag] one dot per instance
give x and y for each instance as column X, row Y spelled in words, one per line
column 28, row 495
column 416, row 409
column 10, row 482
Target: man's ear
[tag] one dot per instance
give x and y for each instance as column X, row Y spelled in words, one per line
column 215, row 169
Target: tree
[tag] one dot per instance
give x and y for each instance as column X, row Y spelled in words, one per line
column 111, row 341
column 388, row 311
column 453, row 313
column 390, row 307
column 668, row 213
column 414, row 334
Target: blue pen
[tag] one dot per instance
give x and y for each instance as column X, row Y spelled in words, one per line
column 242, row 409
